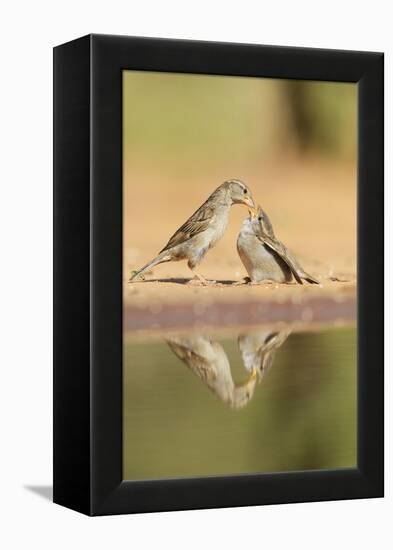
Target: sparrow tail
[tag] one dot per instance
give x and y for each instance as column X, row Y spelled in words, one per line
column 163, row 257
column 310, row 279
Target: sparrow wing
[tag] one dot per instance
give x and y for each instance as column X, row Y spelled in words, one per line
column 197, row 223
column 199, row 364
column 284, row 254
column 287, row 256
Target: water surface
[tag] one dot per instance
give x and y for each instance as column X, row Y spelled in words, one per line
column 264, row 400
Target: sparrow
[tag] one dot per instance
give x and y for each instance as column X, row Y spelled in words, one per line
column 264, row 256
column 203, row 229
column 207, row 359
column 258, row 348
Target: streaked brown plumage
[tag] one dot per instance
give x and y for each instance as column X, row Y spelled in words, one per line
column 204, row 228
column 258, row 348
column 264, row 256
column 207, row 359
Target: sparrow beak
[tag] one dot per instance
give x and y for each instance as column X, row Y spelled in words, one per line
column 250, row 203
column 252, row 213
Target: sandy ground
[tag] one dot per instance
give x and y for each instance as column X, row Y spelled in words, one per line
column 313, row 210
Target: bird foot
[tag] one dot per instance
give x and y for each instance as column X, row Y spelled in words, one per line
column 198, row 280
column 265, row 282
column 248, row 281
column 243, row 281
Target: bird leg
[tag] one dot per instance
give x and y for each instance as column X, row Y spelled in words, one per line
column 243, row 281
column 248, row 281
column 199, row 279
column 266, row 282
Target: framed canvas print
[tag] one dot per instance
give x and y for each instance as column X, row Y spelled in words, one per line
column 218, row 275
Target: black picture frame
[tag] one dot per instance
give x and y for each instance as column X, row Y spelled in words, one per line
column 88, row 274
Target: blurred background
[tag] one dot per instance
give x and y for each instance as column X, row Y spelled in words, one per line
column 293, row 142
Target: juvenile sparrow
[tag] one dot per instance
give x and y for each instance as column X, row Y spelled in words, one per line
column 207, row 359
column 204, row 228
column 264, row 256
column 258, row 348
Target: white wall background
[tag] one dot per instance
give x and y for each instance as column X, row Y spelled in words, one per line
column 28, row 32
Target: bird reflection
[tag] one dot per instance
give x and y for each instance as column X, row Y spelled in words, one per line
column 207, row 359
column 258, row 349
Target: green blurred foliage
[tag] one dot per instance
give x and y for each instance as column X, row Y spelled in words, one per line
column 178, row 118
column 302, row 415
column 323, row 116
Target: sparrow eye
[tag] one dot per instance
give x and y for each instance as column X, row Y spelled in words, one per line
column 245, row 191
column 260, row 219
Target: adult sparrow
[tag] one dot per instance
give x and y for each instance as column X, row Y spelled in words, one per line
column 204, row 228
column 264, row 256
